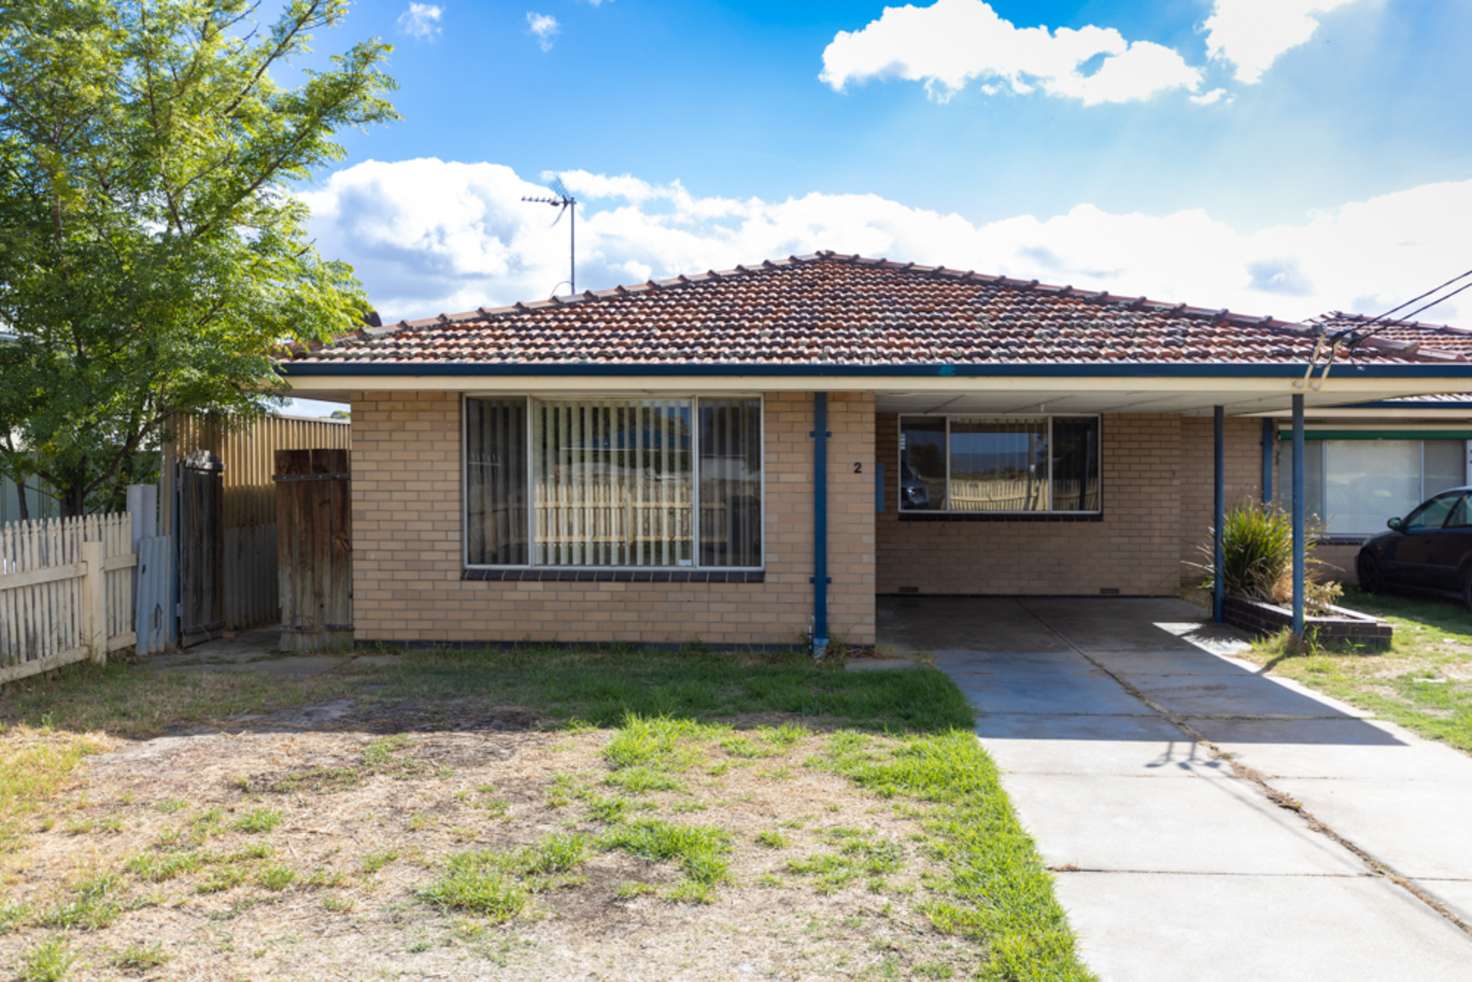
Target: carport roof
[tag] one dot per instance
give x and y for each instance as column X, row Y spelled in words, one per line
column 846, row 314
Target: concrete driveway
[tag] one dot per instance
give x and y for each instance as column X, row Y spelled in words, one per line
column 1203, row 821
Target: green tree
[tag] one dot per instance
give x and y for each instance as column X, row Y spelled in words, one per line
column 152, row 255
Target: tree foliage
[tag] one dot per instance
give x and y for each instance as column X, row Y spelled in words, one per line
column 152, row 255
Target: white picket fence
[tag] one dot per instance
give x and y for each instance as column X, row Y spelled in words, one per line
column 66, row 592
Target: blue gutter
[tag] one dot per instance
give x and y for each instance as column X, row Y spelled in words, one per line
column 1049, row 370
column 820, row 523
column 1298, row 516
column 1219, row 515
column 1269, row 444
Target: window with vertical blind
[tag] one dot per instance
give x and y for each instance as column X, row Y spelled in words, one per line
column 613, row 483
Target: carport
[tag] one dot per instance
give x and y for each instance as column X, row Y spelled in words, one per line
column 1203, row 820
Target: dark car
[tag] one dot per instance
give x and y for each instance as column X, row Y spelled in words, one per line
column 1430, row 549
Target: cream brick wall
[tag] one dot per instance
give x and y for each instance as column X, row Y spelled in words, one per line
column 407, row 567
column 1134, row 548
column 1243, row 452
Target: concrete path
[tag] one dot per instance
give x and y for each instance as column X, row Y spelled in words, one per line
column 1149, row 765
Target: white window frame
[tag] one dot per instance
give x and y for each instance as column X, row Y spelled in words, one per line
column 1001, row 418
column 694, row 399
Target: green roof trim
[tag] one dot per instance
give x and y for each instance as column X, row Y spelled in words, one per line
column 1286, row 435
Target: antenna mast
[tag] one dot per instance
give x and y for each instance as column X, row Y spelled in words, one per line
column 565, row 203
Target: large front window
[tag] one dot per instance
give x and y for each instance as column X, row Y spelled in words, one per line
column 614, row 482
column 1000, row 464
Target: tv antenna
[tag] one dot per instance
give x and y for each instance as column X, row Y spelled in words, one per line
column 564, row 203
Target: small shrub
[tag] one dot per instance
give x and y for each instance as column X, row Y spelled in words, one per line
column 1257, row 557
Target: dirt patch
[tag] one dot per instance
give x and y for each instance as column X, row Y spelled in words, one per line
column 303, row 846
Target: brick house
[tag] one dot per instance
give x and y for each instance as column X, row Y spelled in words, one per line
column 1371, row 461
column 750, row 457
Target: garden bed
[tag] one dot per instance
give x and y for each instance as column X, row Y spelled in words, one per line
column 1339, row 628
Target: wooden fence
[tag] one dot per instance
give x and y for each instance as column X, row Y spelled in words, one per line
column 247, row 453
column 315, row 516
column 66, row 592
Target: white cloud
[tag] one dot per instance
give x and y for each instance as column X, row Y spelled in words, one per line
column 429, row 236
column 543, row 27
column 1252, row 34
column 1211, row 98
column 951, row 43
column 421, row 20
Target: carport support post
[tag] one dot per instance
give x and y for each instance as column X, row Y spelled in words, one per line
column 820, row 523
column 1219, row 514
column 1298, row 516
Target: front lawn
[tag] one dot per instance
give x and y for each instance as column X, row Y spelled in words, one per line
column 530, row 814
column 1424, row 682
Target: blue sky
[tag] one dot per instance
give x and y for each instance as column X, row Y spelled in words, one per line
column 1275, row 156
column 726, row 98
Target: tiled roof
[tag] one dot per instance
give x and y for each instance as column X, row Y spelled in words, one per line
column 1438, row 337
column 832, row 310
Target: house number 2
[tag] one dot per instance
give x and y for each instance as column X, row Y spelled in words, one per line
column 858, row 467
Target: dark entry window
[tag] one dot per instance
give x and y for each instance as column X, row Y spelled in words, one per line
column 1000, row 464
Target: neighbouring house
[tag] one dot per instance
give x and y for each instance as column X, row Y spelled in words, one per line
column 751, row 456
column 1372, row 461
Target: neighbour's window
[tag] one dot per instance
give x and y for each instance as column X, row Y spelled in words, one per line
column 1354, row 486
column 614, row 482
column 999, row 464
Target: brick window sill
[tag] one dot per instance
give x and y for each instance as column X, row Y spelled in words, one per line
column 918, row 516
column 614, row 575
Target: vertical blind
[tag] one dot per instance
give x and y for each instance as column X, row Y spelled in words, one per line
column 613, row 482
column 495, row 482
column 730, row 482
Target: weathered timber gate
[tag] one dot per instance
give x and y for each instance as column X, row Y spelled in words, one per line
column 314, row 550
column 201, row 549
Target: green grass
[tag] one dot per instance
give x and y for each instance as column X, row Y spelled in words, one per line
column 48, row 961
column 140, row 957
column 157, row 867
column 995, row 889
column 699, row 850
column 276, row 877
column 257, row 820
column 480, row 883
column 1424, row 682
column 89, row 906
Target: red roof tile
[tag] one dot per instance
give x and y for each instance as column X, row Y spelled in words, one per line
column 1436, row 337
column 831, row 310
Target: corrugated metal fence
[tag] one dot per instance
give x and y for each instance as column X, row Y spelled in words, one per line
column 247, row 452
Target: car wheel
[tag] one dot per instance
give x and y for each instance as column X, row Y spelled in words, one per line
column 1369, row 575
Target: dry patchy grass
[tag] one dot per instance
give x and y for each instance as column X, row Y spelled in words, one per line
column 440, row 818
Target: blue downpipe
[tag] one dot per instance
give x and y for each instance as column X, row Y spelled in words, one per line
column 1269, row 446
column 1298, row 517
column 820, row 524
column 1219, row 514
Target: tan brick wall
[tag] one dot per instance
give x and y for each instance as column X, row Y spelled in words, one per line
column 1135, row 548
column 407, row 512
column 1243, row 446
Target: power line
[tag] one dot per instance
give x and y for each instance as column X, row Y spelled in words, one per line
column 1360, row 334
